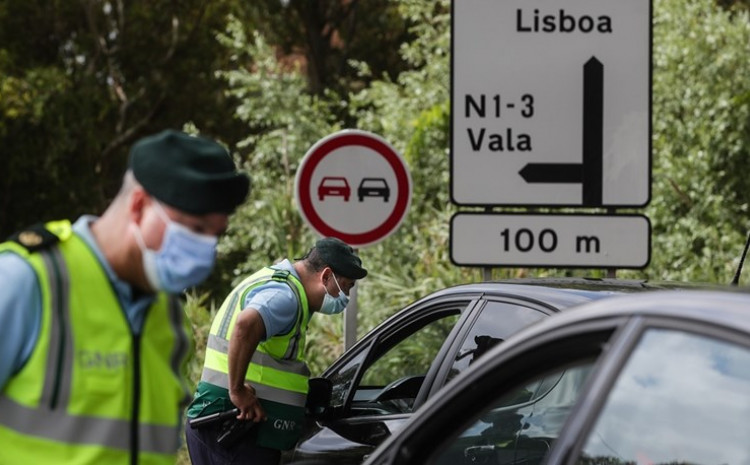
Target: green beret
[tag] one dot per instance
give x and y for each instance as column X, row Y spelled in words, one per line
column 340, row 257
column 192, row 174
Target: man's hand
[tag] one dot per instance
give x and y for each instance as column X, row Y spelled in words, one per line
column 244, row 399
column 248, row 332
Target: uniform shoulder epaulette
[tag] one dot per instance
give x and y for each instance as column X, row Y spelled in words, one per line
column 34, row 238
column 280, row 275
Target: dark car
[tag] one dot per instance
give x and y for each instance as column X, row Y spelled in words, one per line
column 398, row 366
column 334, row 186
column 373, row 187
column 655, row 378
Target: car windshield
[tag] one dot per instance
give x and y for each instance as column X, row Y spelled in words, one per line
column 520, row 425
column 373, row 182
column 692, row 399
column 334, row 182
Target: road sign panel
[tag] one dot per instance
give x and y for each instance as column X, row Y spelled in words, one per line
column 355, row 186
column 551, row 103
column 550, row 241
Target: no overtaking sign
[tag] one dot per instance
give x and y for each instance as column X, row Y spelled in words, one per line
column 353, row 185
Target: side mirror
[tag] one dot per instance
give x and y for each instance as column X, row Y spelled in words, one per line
column 318, row 395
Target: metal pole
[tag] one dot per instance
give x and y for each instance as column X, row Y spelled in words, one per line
column 611, row 272
column 350, row 319
column 487, row 270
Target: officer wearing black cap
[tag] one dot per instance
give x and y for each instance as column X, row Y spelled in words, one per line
column 93, row 337
column 255, row 356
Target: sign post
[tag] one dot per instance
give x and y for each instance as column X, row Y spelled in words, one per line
column 353, row 185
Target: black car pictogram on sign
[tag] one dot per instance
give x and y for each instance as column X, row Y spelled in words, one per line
column 373, row 187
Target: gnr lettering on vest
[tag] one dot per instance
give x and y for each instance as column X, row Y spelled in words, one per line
column 284, row 425
column 96, row 360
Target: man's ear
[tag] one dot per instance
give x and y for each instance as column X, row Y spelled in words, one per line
column 136, row 203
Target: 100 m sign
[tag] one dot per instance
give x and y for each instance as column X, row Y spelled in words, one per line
column 549, row 240
column 524, row 240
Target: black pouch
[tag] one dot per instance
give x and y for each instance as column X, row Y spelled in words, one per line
column 233, row 431
column 214, row 418
column 230, row 429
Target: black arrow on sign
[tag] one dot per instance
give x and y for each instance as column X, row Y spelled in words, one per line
column 552, row 172
column 589, row 173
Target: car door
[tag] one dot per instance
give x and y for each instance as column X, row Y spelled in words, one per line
column 376, row 391
column 374, row 384
column 510, row 415
column 492, row 320
column 616, row 392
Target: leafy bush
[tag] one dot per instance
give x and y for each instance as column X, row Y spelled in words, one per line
column 701, row 140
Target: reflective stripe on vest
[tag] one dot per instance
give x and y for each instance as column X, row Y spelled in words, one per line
column 263, row 391
column 74, row 396
column 59, row 426
column 277, row 370
column 260, row 358
column 61, row 341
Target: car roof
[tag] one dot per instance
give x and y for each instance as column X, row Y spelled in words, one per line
column 726, row 307
column 562, row 292
column 554, row 294
column 716, row 305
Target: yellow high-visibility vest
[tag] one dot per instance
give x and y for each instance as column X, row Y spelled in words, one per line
column 92, row 391
column 277, row 370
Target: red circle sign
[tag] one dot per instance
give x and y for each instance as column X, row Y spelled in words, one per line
column 354, row 186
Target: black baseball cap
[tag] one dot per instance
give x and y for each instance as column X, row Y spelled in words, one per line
column 340, row 257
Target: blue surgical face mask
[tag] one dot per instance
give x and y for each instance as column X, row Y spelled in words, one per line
column 185, row 259
column 333, row 305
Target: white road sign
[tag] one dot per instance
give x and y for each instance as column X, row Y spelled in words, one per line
column 353, row 185
column 551, row 102
column 585, row 241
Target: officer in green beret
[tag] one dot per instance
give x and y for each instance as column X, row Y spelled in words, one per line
column 255, row 356
column 93, row 337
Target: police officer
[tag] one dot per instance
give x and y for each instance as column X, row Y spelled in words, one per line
column 92, row 334
column 255, row 354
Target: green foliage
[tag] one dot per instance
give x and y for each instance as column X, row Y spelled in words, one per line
column 79, row 82
column 329, row 33
column 411, row 357
column 25, row 97
column 701, row 140
column 200, row 312
column 283, row 121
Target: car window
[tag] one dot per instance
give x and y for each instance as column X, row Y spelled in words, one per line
column 520, row 425
column 692, row 400
column 343, row 378
column 391, row 382
column 495, row 323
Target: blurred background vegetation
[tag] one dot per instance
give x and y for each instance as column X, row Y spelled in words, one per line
column 81, row 81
